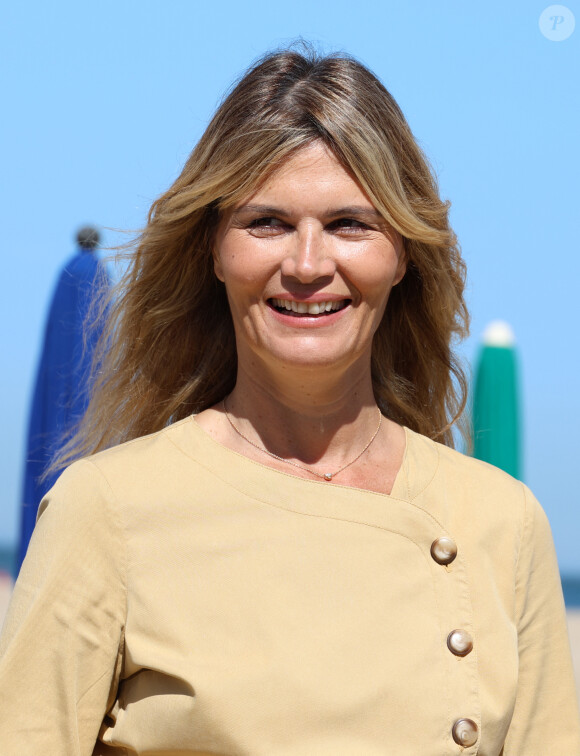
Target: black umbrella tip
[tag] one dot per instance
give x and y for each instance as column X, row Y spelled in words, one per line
column 88, row 237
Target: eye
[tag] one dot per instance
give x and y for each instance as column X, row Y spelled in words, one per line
column 265, row 222
column 348, row 225
column 267, row 226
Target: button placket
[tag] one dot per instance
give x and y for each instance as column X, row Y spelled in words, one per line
column 444, row 551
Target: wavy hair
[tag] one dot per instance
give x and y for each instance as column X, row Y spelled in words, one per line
column 169, row 350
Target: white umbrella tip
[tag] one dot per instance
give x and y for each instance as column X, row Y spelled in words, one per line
column 499, row 334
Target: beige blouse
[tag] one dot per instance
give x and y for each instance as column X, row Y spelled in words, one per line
column 180, row 599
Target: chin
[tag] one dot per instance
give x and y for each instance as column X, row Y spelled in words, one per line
column 313, row 356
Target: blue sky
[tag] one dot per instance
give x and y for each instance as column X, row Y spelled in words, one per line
column 103, row 102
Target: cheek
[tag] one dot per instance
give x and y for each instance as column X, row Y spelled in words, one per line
column 377, row 277
column 244, row 281
column 228, row 264
column 245, row 265
column 238, row 276
column 226, row 253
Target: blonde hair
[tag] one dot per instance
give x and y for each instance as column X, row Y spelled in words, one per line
column 169, row 350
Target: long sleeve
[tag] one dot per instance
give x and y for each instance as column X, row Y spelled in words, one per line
column 545, row 719
column 61, row 646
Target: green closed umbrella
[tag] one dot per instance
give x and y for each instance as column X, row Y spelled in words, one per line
column 496, row 411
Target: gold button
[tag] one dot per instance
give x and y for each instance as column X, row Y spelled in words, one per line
column 465, row 732
column 443, row 550
column 459, row 642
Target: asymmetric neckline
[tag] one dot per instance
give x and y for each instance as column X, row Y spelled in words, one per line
column 246, row 474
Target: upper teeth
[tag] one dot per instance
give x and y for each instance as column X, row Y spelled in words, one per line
column 312, row 308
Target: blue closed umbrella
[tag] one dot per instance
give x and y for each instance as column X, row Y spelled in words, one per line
column 60, row 393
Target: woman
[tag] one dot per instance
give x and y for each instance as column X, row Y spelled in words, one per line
column 289, row 563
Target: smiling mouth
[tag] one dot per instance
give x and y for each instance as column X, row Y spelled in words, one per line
column 308, row 309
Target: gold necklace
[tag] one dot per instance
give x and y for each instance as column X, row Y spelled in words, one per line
column 325, row 476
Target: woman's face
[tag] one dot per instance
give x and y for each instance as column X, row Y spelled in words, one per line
column 308, row 265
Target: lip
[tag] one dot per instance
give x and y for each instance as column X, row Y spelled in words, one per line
column 289, row 318
column 315, row 297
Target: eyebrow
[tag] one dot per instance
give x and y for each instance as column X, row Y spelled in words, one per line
column 358, row 211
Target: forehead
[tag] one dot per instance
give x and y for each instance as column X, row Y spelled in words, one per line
column 312, row 172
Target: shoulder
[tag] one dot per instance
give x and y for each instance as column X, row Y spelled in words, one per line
column 100, row 500
column 136, row 453
column 161, row 445
column 78, row 519
column 470, row 496
column 135, row 471
column 450, row 468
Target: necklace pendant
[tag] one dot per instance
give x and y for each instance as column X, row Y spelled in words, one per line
column 327, row 476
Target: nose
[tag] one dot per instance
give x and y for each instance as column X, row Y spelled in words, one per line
column 308, row 256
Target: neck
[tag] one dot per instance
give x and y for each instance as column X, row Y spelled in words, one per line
column 307, row 419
